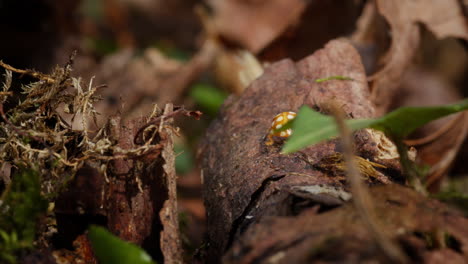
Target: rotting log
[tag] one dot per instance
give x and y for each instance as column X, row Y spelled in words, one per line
column 249, row 187
column 136, row 199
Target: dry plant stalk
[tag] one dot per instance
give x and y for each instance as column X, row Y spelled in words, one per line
column 361, row 197
column 34, row 74
column 336, row 165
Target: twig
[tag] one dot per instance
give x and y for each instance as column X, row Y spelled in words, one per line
column 19, row 131
column 157, row 121
column 408, row 167
column 361, row 197
column 34, row 74
column 439, row 132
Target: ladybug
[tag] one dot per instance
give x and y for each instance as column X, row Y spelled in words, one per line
column 278, row 122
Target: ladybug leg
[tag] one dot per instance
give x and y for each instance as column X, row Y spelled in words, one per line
column 270, row 140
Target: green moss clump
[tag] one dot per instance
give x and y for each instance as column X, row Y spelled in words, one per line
column 21, row 206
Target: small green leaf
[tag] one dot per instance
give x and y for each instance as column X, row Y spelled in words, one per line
column 337, row 77
column 101, row 46
column 92, row 9
column 110, row 249
column 405, row 120
column 184, row 161
column 4, row 236
column 311, row 127
column 208, row 97
column 170, row 50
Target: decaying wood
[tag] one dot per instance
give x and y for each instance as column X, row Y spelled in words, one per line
column 170, row 236
column 245, row 180
column 136, row 199
column 339, row 236
column 267, row 207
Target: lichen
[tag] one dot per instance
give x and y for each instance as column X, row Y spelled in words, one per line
column 45, row 139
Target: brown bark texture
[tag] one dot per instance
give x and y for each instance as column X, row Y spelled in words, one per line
column 267, row 207
column 136, row 200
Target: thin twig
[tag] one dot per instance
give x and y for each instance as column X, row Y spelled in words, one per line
column 438, row 133
column 408, row 167
column 361, row 197
column 19, row 131
column 157, row 121
column 34, row 74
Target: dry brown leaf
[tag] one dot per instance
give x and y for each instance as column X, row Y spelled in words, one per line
column 254, row 24
column 439, row 141
column 235, row 70
column 405, row 41
column 134, row 84
column 320, row 22
column 443, row 18
column 174, row 86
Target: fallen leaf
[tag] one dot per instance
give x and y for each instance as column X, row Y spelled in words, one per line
column 438, row 142
column 134, row 83
column 443, row 18
column 254, row 24
column 405, row 41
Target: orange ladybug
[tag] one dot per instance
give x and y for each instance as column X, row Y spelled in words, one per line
column 278, row 122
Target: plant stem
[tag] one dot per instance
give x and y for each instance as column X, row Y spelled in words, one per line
column 361, row 197
column 408, row 167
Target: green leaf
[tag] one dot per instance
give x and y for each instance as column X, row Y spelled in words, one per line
column 102, row 46
column 208, row 97
column 92, row 9
column 184, row 161
column 311, row 127
column 405, row 120
column 170, row 50
column 336, row 77
column 110, row 249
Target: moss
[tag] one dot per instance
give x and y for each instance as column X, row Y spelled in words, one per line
column 38, row 141
column 21, row 205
